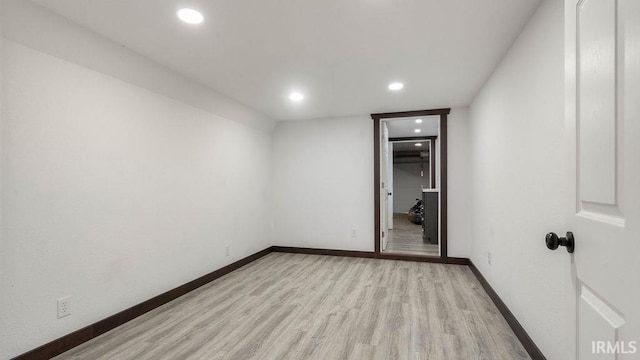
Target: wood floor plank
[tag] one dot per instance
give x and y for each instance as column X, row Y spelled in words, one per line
column 406, row 238
column 297, row 306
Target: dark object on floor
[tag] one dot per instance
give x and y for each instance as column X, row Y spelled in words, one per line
column 416, row 211
column 430, row 217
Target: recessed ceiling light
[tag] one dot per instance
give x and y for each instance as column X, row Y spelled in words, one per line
column 396, row 86
column 296, row 97
column 418, row 144
column 190, row 16
column 417, row 130
column 418, row 121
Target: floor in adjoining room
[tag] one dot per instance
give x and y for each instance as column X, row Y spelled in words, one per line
column 295, row 306
column 406, row 238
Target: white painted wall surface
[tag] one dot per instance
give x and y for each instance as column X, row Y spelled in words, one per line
column 113, row 192
column 34, row 26
column 458, row 182
column 407, row 185
column 3, row 302
column 323, row 183
column 516, row 132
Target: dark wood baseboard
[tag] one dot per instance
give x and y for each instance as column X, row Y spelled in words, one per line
column 315, row 251
column 370, row 255
column 89, row 332
column 515, row 325
column 429, row 259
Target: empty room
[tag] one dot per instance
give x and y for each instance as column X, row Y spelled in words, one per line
column 359, row 179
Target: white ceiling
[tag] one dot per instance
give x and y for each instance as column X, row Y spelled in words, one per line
column 405, row 127
column 340, row 53
column 411, row 146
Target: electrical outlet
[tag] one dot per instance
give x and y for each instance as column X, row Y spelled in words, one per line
column 64, row 307
column 354, row 232
column 489, row 257
column 227, row 251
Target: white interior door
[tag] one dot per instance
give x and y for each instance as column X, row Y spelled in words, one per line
column 602, row 40
column 390, row 186
column 384, row 190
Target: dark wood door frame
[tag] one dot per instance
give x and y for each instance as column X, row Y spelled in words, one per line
column 443, row 113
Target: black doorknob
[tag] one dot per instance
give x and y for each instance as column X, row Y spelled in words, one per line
column 553, row 241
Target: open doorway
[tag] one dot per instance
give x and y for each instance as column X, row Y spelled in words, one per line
column 410, row 179
column 412, row 226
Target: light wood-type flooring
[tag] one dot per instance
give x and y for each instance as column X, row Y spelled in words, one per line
column 295, row 306
column 406, row 238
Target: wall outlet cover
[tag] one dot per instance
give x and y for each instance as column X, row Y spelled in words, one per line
column 64, row 307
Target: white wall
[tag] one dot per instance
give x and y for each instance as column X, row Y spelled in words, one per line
column 113, row 192
column 516, row 132
column 2, row 245
column 407, row 185
column 34, row 26
column 458, row 183
column 323, row 183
